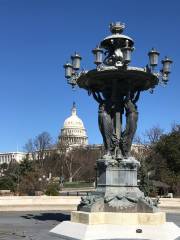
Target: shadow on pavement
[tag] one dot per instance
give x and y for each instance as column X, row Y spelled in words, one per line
column 48, row 216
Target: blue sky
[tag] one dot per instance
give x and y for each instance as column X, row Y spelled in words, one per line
column 38, row 36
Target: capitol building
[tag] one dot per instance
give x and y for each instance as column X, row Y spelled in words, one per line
column 73, row 132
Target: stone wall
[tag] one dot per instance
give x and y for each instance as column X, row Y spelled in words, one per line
column 60, row 203
column 170, row 204
column 38, row 203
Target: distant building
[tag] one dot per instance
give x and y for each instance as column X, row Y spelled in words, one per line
column 73, row 132
column 8, row 157
column 138, row 148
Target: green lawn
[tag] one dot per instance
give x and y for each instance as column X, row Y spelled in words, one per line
column 78, row 184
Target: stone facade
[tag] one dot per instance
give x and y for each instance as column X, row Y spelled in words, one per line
column 8, row 157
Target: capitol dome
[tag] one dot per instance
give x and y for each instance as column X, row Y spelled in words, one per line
column 73, row 131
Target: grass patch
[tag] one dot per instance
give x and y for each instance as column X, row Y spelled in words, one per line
column 78, row 184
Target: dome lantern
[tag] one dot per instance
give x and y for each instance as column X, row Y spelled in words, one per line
column 74, row 112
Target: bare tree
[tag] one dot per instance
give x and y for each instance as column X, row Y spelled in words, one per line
column 153, row 134
column 54, row 162
column 175, row 127
column 39, row 147
column 91, row 154
column 137, row 139
column 42, row 143
column 72, row 163
column 30, row 149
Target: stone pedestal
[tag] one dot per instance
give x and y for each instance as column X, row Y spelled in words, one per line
column 123, row 219
column 78, row 231
column 108, row 225
column 117, row 189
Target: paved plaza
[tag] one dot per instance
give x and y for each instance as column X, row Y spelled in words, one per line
column 36, row 225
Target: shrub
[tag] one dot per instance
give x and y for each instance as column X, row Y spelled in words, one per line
column 52, row 189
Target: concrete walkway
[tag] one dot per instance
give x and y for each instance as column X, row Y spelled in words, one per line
column 36, row 225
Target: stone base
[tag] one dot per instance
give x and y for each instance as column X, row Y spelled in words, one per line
column 95, row 218
column 70, row 230
column 131, row 201
column 117, row 189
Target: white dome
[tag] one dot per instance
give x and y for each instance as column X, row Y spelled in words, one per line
column 73, row 131
column 73, row 122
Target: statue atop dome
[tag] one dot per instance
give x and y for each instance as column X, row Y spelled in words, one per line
column 73, row 132
column 74, row 111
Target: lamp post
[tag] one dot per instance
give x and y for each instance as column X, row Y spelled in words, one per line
column 166, row 69
column 148, row 175
column 98, row 54
column 2, row 172
column 153, row 58
column 43, row 180
column 116, row 86
column 71, row 69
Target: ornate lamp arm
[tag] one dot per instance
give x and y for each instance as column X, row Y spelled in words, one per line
column 97, row 97
column 136, row 97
